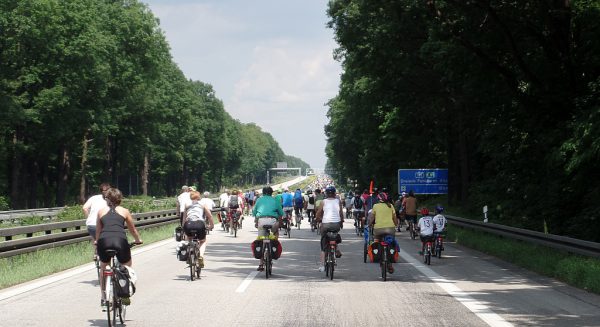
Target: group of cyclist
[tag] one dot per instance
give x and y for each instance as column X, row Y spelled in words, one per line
column 377, row 210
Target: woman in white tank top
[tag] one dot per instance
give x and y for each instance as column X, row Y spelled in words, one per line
column 331, row 216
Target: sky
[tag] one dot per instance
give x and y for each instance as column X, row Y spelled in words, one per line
column 269, row 61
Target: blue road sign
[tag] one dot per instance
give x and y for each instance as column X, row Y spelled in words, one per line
column 423, row 181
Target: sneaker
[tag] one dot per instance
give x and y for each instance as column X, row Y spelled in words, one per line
column 201, row 261
column 390, row 269
column 338, row 253
column 102, row 303
column 322, row 268
column 125, row 301
column 261, row 268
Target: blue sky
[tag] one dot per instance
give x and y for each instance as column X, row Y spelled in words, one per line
column 270, row 62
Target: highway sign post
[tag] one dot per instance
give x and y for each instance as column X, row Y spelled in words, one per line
column 423, row 181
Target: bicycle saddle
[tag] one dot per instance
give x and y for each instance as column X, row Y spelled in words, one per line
column 267, row 226
column 111, row 253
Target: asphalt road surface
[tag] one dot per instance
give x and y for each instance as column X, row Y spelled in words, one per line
column 464, row 288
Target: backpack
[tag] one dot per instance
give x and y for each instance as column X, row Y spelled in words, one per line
column 311, row 199
column 233, row 202
column 298, row 199
column 125, row 286
column 358, row 203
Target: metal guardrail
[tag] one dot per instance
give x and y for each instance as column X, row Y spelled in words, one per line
column 19, row 240
column 568, row 244
column 40, row 212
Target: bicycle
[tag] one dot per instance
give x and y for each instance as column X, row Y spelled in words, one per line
column 385, row 263
column 427, row 254
column 368, row 238
column 224, row 220
column 194, row 260
column 298, row 218
column 235, row 223
column 330, row 263
column 439, row 245
column 267, row 258
column 114, row 305
column 286, row 224
column 358, row 223
column 412, row 229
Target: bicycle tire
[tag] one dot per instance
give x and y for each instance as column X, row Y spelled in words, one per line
column 289, row 231
column 384, row 266
column 365, row 252
column 428, row 255
column 198, row 268
column 122, row 312
column 331, row 263
column 192, row 262
column 266, row 260
column 235, row 231
column 108, row 301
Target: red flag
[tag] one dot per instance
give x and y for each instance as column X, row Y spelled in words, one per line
column 371, row 187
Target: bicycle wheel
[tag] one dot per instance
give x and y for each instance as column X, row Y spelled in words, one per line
column 365, row 251
column 428, row 255
column 384, row 265
column 109, row 300
column 192, row 261
column 289, row 231
column 122, row 313
column 235, row 229
column 267, row 259
column 331, row 263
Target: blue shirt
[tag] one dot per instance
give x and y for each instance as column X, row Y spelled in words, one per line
column 286, row 199
column 267, row 206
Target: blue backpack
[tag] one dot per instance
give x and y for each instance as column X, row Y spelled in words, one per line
column 298, row 199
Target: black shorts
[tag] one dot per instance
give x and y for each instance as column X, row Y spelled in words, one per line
column 117, row 243
column 411, row 218
column 250, row 202
column 426, row 238
column 196, row 229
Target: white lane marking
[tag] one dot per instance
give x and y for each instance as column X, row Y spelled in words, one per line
column 481, row 310
column 244, row 285
column 30, row 286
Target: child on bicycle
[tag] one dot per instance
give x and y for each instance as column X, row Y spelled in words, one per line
column 440, row 222
column 425, row 228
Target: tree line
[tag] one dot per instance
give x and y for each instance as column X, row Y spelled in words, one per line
column 89, row 93
column 505, row 94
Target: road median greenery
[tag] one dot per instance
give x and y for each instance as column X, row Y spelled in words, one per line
column 29, row 266
column 575, row 270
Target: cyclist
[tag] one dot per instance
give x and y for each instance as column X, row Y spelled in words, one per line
column 183, row 200
column 235, row 205
column 330, row 214
column 358, row 209
column 372, row 200
column 425, row 228
column 348, row 204
column 197, row 219
column 251, row 199
column 110, row 234
column 410, row 208
column 91, row 208
column 287, row 203
column 440, row 222
column 207, row 202
column 383, row 195
column 298, row 202
column 266, row 211
column 384, row 221
column 309, row 205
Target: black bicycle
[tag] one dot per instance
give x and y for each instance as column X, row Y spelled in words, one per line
column 330, row 263
column 267, row 251
column 113, row 305
column 195, row 261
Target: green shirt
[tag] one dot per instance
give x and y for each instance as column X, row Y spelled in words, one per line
column 267, row 206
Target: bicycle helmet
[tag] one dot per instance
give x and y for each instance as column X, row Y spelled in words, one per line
column 439, row 209
column 309, row 192
column 330, row 190
column 267, row 190
column 424, row 211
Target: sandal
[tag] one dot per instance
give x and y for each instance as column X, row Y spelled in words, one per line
column 261, row 268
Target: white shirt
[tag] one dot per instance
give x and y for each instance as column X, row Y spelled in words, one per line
column 224, row 200
column 440, row 222
column 184, row 201
column 208, row 203
column 310, row 206
column 94, row 204
column 426, row 225
column 331, row 211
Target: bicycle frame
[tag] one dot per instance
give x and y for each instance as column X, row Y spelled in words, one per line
column 330, row 262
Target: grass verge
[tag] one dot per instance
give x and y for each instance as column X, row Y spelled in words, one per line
column 25, row 267
column 578, row 271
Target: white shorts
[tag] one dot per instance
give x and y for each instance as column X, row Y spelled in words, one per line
column 288, row 209
column 265, row 221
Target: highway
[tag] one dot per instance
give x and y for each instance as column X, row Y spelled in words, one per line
column 464, row 288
